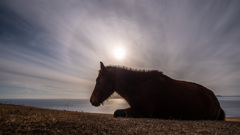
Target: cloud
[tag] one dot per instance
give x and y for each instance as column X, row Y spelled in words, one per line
column 55, row 46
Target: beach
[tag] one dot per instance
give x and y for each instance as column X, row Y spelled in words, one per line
column 15, row 119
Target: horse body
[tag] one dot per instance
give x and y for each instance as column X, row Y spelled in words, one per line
column 153, row 94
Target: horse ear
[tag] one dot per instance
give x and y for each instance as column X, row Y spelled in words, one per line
column 102, row 66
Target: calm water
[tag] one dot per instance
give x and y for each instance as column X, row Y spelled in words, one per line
column 231, row 105
column 81, row 105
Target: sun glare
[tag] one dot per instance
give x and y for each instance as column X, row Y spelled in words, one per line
column 119, row 53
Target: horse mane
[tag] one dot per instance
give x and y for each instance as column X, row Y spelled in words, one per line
column 136, row 76
column 129, row 69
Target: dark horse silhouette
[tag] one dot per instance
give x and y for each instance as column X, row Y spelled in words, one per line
column 153, row 94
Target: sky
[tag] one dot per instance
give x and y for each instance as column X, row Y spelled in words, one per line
column 52, row 48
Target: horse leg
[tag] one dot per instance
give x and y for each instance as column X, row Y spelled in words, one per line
column 120, row 113
column 128, row 113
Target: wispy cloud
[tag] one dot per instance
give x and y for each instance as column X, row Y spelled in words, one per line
column 52, row 48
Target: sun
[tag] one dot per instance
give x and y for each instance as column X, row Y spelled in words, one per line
column 119, row 53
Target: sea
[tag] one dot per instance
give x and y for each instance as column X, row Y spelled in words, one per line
column 231, row 105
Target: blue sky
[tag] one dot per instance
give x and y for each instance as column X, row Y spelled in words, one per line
column 52, row 48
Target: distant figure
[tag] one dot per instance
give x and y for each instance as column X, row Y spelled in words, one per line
column 155, row 95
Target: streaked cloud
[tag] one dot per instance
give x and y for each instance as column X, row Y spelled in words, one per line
column 52, row 49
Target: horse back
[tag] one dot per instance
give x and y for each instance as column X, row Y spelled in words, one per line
column 194, row 101
column 177, row 99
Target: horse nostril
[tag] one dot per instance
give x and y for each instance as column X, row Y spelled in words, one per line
column 92, row 101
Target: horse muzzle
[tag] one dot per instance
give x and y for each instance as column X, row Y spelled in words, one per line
column 94, row 102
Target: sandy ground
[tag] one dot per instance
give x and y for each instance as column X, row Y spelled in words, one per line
column 30, row 120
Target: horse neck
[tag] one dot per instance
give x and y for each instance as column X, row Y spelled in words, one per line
column 125, row 81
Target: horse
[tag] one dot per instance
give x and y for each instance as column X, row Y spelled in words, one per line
column 151, row 94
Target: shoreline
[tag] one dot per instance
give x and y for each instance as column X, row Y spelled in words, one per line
column 16, row 119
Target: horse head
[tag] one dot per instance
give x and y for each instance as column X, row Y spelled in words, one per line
column 104, row 87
